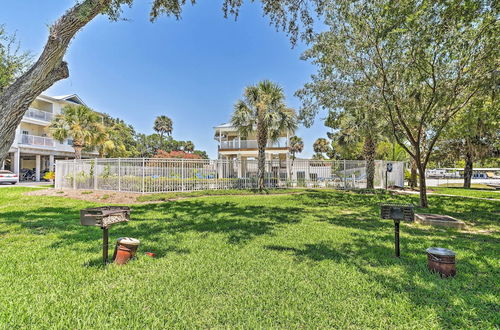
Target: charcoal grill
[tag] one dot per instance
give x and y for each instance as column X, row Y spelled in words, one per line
column 104, row 217
column 398, row 213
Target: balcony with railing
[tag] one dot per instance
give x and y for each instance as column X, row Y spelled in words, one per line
column 251, row 144
column 38, row 141
column 39, row 115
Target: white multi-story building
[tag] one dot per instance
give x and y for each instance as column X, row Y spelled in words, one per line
column 32, row 148
column 233, row 146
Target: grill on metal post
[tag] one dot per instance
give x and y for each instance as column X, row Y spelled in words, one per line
column 397, row 213
column 104, row 217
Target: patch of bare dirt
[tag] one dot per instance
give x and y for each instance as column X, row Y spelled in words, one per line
column 97, row 196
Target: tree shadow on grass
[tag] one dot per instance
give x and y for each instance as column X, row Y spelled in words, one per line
column 153, row 223
column 239, row 223
column 370, row 256
column 474, row 211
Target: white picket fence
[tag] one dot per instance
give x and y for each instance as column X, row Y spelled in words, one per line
column 152, row 175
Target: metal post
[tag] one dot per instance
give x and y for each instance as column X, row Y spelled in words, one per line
column 182, row 174
column 105, row 245
column 345, row 176
column 74, row 173
column 396, row 238
column 386, row 176
column 143, row 174
column 95, row 173
column 119, row 175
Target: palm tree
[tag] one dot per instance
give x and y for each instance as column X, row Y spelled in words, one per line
column 359, row 123
column 163, row 125
column 263, row 109
column 320, row 146
column 188, row 146
column 113, row 144
column 296, row 146
column 80, row 123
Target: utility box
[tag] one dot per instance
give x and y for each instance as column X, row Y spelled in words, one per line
column 104, row 216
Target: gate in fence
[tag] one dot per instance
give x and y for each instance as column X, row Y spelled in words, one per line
column 151, row 175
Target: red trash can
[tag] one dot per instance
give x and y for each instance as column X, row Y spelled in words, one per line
column 126, row 248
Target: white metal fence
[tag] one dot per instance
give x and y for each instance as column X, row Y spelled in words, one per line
column 150, row 175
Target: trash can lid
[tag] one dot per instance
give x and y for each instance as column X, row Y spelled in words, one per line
column 128, row 241
column 440, row 251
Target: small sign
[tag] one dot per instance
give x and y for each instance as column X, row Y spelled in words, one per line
column 389, row 167
column 397, row 212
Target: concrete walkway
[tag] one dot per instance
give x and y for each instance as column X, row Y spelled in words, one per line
column 447, row 195
column 32, row 184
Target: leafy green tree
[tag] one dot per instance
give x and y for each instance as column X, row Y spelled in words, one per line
column 473, row 135
column 120, row 138
column 201, row 153
column 422, row 61
column 148, row 145
column 163, row 126
column 287, row 15
column 12, row 61
column 263, row 110
column 81, row 124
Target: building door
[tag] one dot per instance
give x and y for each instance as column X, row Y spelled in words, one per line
column 25, row 138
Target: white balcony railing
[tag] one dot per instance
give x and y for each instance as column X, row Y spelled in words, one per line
column 34, row 140
column 252, row 144
column 39, row 114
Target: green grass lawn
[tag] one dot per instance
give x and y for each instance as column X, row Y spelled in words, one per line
column 309, row 260
column 473, row 192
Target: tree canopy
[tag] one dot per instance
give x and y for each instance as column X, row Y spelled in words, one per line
column 296, row 17
column 13, row 62
column 418, row 62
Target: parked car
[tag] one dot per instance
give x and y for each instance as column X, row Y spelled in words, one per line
column 8, row 177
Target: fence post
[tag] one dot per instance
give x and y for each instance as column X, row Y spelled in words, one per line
column 74, row 173
column 182, row 173
column 119, row 175
column 95, row 174
column 143, row 174
column 345, row 176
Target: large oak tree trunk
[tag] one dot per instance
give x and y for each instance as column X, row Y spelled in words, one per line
column 468, row 169
column 369, row 150
column 48, row 69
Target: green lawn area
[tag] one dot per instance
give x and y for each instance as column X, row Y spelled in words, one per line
column 473, row 192
column 315, row 259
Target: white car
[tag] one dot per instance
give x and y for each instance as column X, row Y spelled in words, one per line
column 8, row 177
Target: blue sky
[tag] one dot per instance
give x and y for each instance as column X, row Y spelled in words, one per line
column 192, row 70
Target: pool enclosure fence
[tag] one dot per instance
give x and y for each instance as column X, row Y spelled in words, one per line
column 152, row 175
